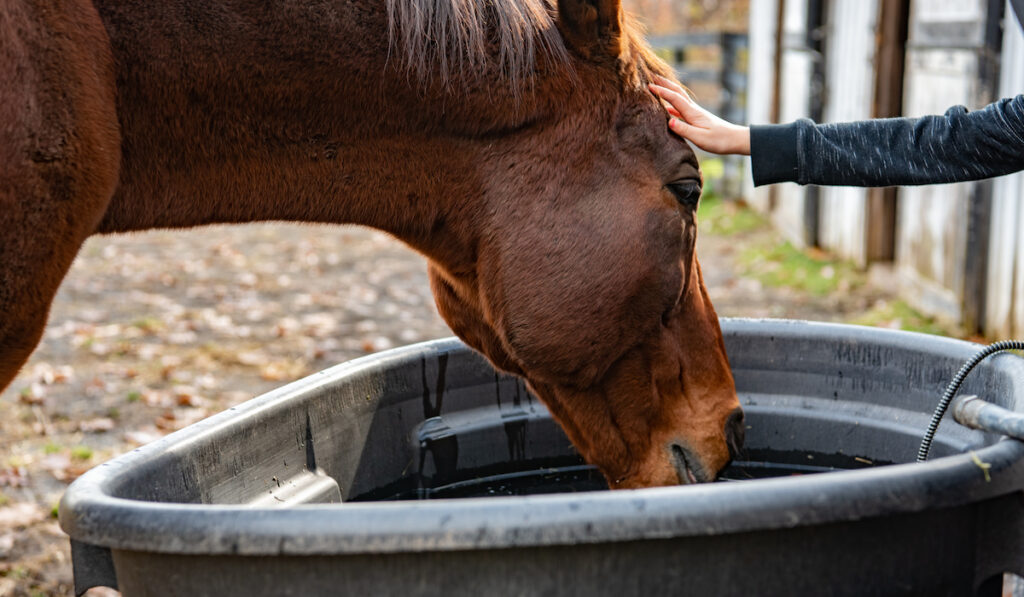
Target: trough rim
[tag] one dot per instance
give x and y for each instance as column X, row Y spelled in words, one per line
column 90, row 514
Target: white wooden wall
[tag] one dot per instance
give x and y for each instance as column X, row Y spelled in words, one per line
column 849, row 66
column 794, row 103
column 1004, row 309
column 760, row 82
column 931, row 234
column 942, row 70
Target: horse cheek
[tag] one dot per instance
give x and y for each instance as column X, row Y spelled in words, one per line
column 706, row 378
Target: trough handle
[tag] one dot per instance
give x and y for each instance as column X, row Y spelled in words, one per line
column 93, row 566
column 1000, row 543
column 973, row 412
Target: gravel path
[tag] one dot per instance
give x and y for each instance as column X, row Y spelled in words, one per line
column 151, row 332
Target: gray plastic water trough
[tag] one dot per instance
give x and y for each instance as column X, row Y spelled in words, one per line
column 293, row 493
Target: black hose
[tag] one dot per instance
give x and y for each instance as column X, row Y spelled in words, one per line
column 954, row 387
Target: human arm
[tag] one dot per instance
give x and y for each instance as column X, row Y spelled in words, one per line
column 957, row 146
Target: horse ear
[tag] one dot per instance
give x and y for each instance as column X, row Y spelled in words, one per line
column 592, row 27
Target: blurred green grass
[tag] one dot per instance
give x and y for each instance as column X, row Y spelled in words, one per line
column 727, row 218
column 812, row 271
column 897, row 314
column 764, row 256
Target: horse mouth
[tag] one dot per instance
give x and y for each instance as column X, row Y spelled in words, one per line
column 684, row 471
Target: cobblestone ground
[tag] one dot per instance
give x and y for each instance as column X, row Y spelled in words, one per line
column 151, row 332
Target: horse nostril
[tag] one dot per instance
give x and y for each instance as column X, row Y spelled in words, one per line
column 735, row 430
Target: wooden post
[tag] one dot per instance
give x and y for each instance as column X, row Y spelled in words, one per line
column 890, row 56
column 780, row 33
column 979, row 224
column 813, row 42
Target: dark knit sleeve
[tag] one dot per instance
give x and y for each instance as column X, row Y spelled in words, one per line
column 955, row 147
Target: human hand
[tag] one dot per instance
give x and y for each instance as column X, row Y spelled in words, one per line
column 702, row 128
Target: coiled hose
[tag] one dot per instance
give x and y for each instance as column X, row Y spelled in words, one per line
column 954, row 387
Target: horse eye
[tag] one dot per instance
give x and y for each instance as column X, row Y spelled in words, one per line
column 686, row 192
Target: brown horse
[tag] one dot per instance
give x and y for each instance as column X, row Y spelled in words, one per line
column 512, row 142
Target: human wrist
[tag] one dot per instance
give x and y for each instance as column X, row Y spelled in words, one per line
column 740, row 140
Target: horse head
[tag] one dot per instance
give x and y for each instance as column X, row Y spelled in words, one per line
column 530, row 165
column 586, row 280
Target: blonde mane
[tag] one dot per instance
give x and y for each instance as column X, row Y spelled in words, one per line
column 453, row 37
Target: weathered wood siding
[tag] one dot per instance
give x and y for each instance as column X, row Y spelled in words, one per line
column 849, row 95
column 1004, row 313
column 959, row 249
column 937, row 226
column 761, row 83
column 794, row 209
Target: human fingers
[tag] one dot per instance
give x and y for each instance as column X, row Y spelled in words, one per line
column 668, row 94
column 673, row 98
column 681, row 127
column 719, row 137
column 685, row 107
column 670, row 84
column 696, row 135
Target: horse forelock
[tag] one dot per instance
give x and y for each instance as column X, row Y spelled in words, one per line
column 641, row 61
column 451, row 38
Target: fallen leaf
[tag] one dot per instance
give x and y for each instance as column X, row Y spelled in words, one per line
column 165, row 421
column 378, row 343
column 75, row 471
column 170, row 360
column 250, row 358
column 13, row 477
column 57, row 465
column 97, row 425
column 97, row 383
column 207, row 382
column 142, row 436
column 156, row 398
column 20, row 515
column 35, row 393
column 179, row 418
column 187, row 396
column 167, row 372
column 275, row 371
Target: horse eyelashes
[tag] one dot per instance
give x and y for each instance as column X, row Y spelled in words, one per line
column 687, row 193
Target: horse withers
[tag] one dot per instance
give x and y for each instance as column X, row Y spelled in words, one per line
column 512, row 143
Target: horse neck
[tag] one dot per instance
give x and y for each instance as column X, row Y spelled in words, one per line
column 234, row 128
